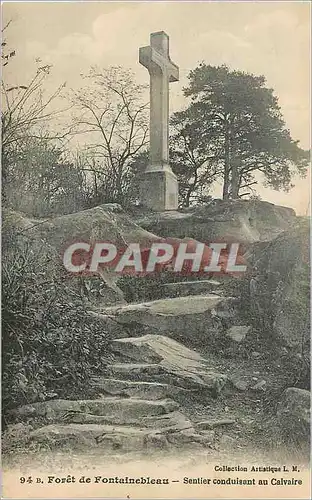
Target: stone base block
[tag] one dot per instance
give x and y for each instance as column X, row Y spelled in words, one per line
column 159, row 190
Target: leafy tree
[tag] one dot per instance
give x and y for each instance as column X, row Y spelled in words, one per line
column 41, row 181
column 232, row 129
column 112, row 112
column 196, row 170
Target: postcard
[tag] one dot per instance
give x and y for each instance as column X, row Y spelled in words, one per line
column 155, row 249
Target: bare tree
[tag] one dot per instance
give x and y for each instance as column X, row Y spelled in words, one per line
column 31, row 133
column 112, row 111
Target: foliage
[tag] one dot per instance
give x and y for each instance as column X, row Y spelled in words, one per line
column 232, row 129
column 50, row 345
column 41, row 181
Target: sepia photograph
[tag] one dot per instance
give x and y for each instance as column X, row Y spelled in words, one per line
column 155, row 266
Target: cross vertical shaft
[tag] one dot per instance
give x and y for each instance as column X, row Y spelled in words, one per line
column 162, row 71
column 159, row 186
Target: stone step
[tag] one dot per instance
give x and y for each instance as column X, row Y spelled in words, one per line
column 204, row 381
column 114, row 408
column 192, row 287
column 196, row 320
column 145, row 372
column 115, row 438
column 179, row 365
column 132, row 389
column 161, row 347
column 174, row 420
column 142, row 372
column 96, row 436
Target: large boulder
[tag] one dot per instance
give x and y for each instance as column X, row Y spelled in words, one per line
column 242, row 221
column 278, row 288
column 51, row 236
column 294, row 416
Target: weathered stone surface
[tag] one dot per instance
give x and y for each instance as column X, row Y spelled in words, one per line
column 179, row 365
column 102, row 223
column 106, row 437
column 279, row 292
column 126, row 409
column 234, row 220
column 141, row 390
column 294, row 415
column 191, row 380
column 194, row 287
column 118, row 438
column 194, row 319
column 238, row 333
column 175, row 420
column 166, row 350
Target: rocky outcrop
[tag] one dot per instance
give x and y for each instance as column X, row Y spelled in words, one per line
column 278, row 288
column 233, row 220
column 105, row 223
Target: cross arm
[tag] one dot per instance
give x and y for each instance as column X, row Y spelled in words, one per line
column 152, row 59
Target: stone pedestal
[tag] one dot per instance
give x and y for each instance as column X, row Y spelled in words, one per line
column 159, row 190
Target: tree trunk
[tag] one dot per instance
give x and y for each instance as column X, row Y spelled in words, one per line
column 235, row 180
column 188, row 196
column 227, row 162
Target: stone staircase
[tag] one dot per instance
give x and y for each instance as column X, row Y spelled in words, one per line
column 139, row 399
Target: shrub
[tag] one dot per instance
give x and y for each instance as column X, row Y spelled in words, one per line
column 51, row 346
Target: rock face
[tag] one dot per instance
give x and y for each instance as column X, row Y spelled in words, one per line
column 294, row 415
column 238, row 221
column 279, row 288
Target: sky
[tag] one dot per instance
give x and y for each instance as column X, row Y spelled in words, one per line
column 264, row 38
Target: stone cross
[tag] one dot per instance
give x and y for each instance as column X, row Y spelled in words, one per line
column 159, row 185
